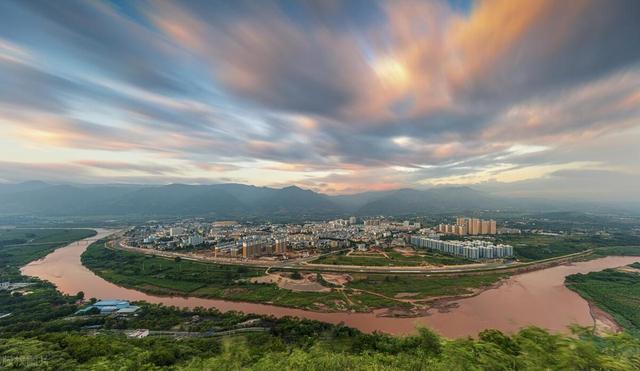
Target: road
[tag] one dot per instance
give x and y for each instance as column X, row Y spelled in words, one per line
column 303, row 263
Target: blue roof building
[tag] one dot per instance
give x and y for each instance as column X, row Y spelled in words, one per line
column 112, row 303
column 110, row 306
column 128, row 310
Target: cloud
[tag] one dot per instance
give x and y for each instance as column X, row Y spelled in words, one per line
column 337, row 96
column 14, row 172
column 151, row 169
column 258, row 53
column 94, row 34
column 510, row 50
column 596, row 186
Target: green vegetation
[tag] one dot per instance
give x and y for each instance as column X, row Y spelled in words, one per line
column 20, row 246
column 17, row 248
column 66, row 343
column 169, row 277
column 422, row 286
column 529, row 247
column 618, row 250
column 40, row 334
column 366, row 292
column 392, row 258
column 615, row 291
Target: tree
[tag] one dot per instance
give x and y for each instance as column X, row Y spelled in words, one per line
column 429, row 341
column 178, row 260
column 80, row 295
column 498, row 338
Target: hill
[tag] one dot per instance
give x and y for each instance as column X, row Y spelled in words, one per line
column 232, row 200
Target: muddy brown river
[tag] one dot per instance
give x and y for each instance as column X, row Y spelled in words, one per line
column 534, row 298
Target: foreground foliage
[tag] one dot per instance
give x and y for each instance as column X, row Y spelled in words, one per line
column 292, row 344
column 44, row 338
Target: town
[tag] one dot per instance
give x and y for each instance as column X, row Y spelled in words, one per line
column 276, row 242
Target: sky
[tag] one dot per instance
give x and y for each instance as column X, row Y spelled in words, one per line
column 536, row 98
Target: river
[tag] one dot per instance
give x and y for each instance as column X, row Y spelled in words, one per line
column 534, row 298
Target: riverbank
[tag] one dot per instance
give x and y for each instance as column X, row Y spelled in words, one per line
column 19, row 246
column 615, row 292
column 44, row 337
column 393, row 294
column 207, row 339
column 362, row 292
column 603, row 322
column 522, row 300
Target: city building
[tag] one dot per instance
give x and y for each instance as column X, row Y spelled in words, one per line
column 176, row 231
column 281, row 246
column 108, row 307
column 232, row 248
column 149, row 239
column 255, row 247
column 469, row 226
column 195, row 240
column 271, row 241
column 474, row 250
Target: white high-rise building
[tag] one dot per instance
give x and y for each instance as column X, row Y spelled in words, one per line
column 176, row 231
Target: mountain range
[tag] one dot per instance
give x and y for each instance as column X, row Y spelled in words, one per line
column 239, row 200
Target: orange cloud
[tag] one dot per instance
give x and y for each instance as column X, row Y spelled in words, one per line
column 493, row 27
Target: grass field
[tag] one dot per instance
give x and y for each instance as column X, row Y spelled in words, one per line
column 394, row 259
column 618, row 250
column 20, row 246
column 529, row 247
column 421, row 285
column 169, row 277
column 614, row 291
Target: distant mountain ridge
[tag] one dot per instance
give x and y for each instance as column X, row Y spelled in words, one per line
column 224, row 200
column 232, row 200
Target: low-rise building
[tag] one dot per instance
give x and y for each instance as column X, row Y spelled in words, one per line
column 108, row 307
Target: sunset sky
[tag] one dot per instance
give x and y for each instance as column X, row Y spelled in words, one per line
column 520, row 97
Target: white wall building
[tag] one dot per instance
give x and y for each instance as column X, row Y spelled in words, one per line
column 176, row 231
column 475, row 250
